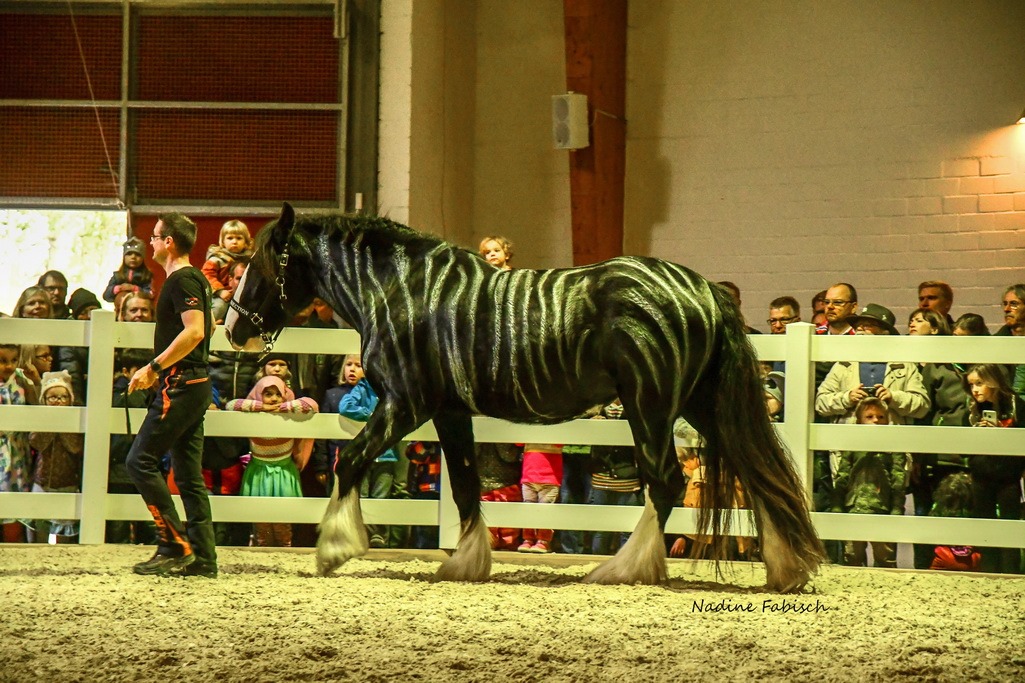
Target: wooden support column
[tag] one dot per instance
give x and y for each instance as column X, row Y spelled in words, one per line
column 596, row 67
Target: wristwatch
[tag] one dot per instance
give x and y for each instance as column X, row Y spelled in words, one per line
column 155, row 365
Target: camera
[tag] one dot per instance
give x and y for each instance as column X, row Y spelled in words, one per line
column 871, row 391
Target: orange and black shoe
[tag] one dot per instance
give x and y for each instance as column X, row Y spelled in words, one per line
column 162, row 564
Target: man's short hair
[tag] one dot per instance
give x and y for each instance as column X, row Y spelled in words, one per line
column 850, row 288
column 948, row 293
column 781, row 301
column 54, row 275
column 181, row 229
column 1018, row 289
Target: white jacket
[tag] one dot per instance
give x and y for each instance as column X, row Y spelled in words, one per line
column 904, row 381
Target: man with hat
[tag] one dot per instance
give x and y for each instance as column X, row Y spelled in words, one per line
column 898, row 385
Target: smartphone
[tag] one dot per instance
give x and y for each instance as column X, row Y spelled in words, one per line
column 990, row 415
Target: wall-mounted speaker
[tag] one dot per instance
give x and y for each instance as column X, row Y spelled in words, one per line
column 569, row 121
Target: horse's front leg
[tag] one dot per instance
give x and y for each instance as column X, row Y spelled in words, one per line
column 472, row 558
column 342, row 532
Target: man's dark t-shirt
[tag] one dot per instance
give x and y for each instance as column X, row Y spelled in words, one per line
column 185, row 289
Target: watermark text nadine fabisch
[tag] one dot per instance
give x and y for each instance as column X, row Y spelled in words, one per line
column 777, row 605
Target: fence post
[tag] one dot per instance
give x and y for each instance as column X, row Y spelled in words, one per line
column 99, row 394
column 797, row 401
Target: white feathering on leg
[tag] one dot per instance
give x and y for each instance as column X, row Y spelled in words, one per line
column 472, row 559
column 342, row 534
column 783, row 572
column 642, row 560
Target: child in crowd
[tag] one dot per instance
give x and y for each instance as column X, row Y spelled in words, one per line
column 15, row 453
column 326, row 454
column 34, row 361
column 869, row 482
column 614, row 481
column 497, row 251
column 273, row 470
column 58, row 460
column 500, row 466
column 358, row 404
column 953, row 498
column 133, row 275
column 276, row 365
column 996, row 479
column 234, row 243
column 540, row 481
column 424, row 484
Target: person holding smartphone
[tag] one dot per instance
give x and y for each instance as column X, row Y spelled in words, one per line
column 996, row 479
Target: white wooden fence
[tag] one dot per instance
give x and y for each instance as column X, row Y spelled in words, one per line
column 799, row 347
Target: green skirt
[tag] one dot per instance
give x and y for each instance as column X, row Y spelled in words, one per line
column 271, row 478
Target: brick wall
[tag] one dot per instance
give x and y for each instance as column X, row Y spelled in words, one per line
column 786, row 146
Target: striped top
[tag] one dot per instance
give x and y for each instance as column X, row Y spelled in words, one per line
column 272, row 448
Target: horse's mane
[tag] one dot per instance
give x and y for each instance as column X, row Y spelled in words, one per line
column 357, row 228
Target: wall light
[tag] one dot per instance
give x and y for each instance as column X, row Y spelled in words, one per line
column 1022, row 119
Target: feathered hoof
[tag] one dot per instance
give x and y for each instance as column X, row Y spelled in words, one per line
column 342, row 534
column 789, row 578
column 472, row 559
column 613, row 573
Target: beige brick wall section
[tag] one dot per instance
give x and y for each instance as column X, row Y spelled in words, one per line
column 830, row 141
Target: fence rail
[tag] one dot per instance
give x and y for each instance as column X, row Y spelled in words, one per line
column 799, row 347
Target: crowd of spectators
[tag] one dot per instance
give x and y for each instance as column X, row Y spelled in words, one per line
column 860, row 482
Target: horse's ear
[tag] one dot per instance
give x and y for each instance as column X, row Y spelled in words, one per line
column 283, row 227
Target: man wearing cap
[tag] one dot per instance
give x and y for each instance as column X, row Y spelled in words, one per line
column 898, row 385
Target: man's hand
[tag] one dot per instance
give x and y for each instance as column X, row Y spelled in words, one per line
column 143, row 378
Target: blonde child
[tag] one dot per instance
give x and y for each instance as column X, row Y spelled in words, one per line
column 234, row 243
column 541, row 479
column 58, row 459
column 15, row 455
column 274, row 467
column 133, row 275
column 870, row 482
column 358, row 404
column 497, row 251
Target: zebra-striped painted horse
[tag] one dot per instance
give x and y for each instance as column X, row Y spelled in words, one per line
column 446, row 336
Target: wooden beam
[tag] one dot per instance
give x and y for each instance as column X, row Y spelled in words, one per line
column 596, row 66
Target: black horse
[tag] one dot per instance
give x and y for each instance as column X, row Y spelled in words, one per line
column 446, row 336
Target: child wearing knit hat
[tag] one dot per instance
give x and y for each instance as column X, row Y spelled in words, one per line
column 133, row 275
column 59, row 461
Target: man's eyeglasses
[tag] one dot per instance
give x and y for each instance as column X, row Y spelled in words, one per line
column 837, row 302
column 155, row 236
column 781, row 321
column 55, row 288
column 1013, row 305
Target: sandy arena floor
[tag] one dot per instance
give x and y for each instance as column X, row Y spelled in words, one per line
column 78, row 614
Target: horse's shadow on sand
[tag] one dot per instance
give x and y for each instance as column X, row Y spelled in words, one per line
column 538, row 579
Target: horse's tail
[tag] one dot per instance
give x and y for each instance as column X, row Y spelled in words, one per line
column 742, row 446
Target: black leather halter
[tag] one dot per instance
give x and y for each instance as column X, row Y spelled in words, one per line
column 255, row 318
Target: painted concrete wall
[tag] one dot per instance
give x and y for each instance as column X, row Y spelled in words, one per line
column 784, row 146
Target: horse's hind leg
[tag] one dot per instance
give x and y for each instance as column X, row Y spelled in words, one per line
column 472, row 558
column 643, row 558
column 342, row 532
